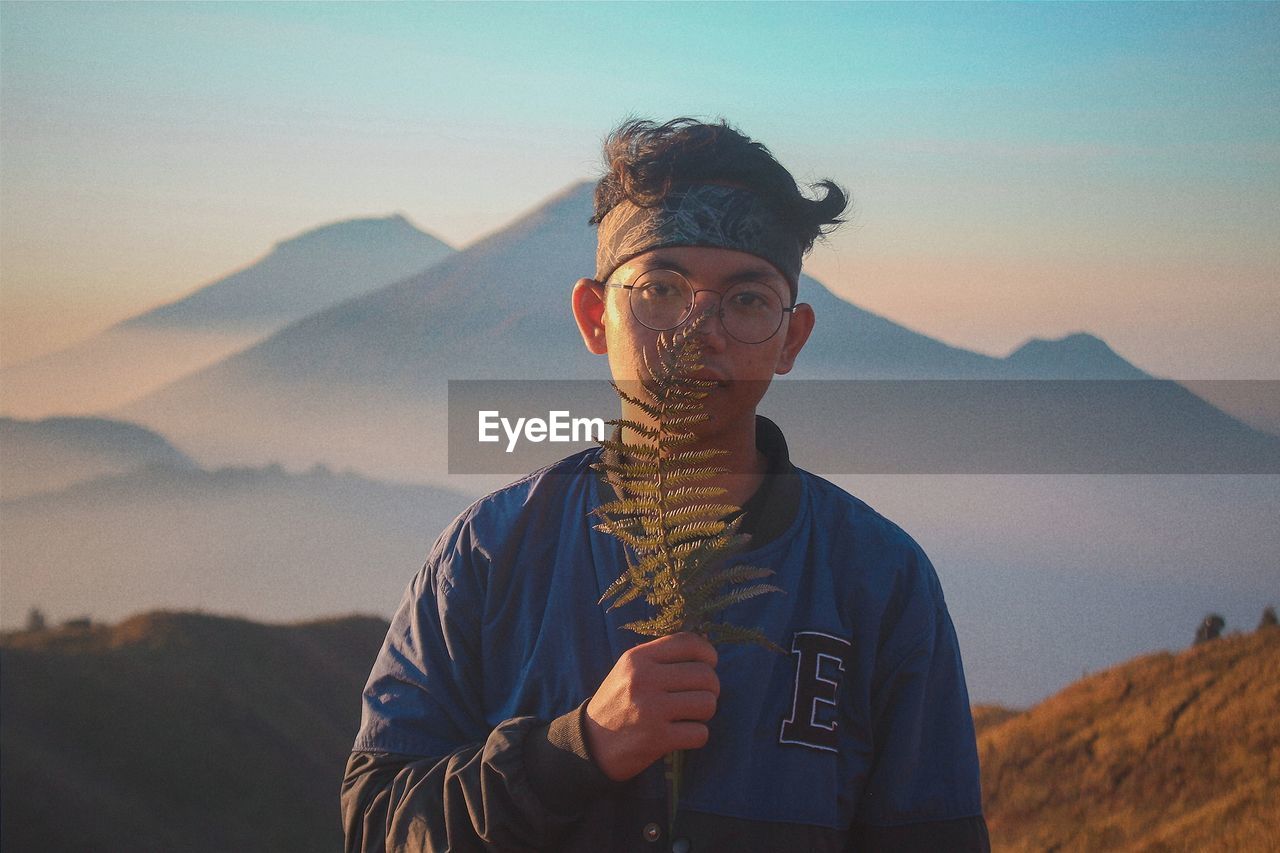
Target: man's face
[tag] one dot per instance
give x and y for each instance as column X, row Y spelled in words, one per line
column 743, row 370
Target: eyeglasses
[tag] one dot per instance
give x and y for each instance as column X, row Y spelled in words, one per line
column 661, row 300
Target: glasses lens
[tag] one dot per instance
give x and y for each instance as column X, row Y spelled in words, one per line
column 661, row 299
column 752, row 311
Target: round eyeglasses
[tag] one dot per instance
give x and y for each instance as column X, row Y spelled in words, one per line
column 661, row 300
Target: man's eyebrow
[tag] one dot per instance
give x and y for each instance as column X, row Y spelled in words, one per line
column 752, row 273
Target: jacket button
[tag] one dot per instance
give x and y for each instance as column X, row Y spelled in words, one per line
column 652, row 832
column 681, row 845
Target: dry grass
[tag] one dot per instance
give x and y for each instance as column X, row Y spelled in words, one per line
column 1166, row 752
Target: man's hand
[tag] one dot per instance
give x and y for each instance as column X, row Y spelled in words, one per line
column 656, row 699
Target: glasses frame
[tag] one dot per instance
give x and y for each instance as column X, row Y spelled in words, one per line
column 632, row 288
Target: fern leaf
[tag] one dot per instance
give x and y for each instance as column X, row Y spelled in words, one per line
column 640, row 542
column 729, row 599
column 644, row 451
column 686, row 421
column 633, row 470
column 659, row 626
column 686, row 494
column 626, row 506
column 668, row 514
column 693, row 512
column 624, row 595
column 726, row 577
column 644, row 430
column 694, row 457
column 643, row 405
column 723, row 633
column 672, row 440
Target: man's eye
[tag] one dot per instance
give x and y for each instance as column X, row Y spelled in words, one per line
column 750, row 300
column 659, row 290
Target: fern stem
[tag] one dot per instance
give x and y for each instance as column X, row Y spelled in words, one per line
column 673, row 763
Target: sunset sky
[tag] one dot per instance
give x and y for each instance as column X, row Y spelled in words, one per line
column 1019, row 170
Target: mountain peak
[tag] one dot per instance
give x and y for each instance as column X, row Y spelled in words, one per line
column 1074, row 342
column 1078, row 355
column 305, row 273
column 359, row 231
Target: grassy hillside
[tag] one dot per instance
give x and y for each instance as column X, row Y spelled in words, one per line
column 1166, row 752
column 179, row 732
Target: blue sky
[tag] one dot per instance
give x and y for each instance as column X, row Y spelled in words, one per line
column 1018, row 169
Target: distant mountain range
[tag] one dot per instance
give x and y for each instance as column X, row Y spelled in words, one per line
column 1072, row 572
column 257, row 541
column 48, row 455
column 317, row 269
column 362, row 383
column 183, row 731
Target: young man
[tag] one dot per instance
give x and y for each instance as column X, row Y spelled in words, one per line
column 507, row 709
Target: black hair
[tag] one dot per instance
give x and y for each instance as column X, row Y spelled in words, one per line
column 645, row 161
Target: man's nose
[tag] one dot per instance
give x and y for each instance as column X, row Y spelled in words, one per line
column 712, row 329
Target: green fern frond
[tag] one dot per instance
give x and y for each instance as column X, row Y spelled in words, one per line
column 643, row 451
column 686, row 421
column 638, row 542
column 626, row 506
column 686, row 494
column 679, row 534
column 693, row 512
column 628, row 592
column 629, row 470
column 721, row 633
column 727, row 577
column 687, row 474
column 650, row 410
column 694, row 457
column 643, row 430
column 728, row 599
column 659, row 626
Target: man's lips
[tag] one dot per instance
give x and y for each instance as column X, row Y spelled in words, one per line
column 712, row 375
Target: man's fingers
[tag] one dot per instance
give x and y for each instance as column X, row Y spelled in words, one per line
column 691, row 706
column 687, row 675
column 685, row 646
column 688, row 735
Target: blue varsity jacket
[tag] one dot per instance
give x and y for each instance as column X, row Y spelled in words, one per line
column 860, row 738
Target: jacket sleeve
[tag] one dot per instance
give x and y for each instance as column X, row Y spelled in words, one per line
column 923, row 792
column 520, row 789
column 427, row 771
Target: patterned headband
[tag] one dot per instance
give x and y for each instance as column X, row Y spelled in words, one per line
column 698, row 215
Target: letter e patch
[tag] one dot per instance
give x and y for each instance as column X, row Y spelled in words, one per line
column 820, row 660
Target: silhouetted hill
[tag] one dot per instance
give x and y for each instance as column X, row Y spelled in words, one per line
column 297, row 277
column 51, row 454
column 184, row 731
column 180, row 731
column 260, row 542
column 1166, row 752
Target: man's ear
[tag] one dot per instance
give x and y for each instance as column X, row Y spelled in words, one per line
column 798, row 330
column 588, row 311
